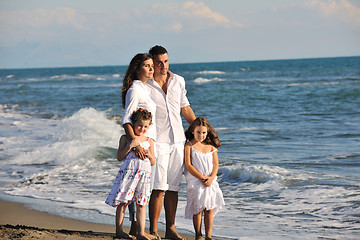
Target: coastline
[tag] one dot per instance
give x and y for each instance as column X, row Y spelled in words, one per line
column 17, row 220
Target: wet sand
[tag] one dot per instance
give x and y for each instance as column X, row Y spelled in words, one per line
column 19, row 222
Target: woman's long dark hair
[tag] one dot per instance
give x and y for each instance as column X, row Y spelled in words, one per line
column 131, row 73
column 211, row 138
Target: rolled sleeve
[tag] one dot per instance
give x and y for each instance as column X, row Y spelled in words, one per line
column 132, row 102
column 184, row 100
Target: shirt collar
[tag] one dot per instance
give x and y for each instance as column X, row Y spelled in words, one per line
column 171, row 77
column 139, row 82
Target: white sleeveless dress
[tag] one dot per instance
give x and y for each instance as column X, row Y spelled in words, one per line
column 200, row 197
column 132, row 181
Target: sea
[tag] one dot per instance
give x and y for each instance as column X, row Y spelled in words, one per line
column 289, row 159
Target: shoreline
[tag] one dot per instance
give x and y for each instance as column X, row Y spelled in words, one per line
column 16, row 219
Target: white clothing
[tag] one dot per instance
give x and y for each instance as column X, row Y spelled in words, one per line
column 137, row 97
column 132, row 181
column 200, row 197
column 167, row 173
column 169, row 127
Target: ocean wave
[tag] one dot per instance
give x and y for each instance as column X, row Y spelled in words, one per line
column 211, row 72
column 254, row 174
column 201, row 80
column 301, row 84
column 66, row 140
column 237, row 128
column 57, row 158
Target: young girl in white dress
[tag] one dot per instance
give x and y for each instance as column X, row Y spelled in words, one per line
column 204, row 195
column 132, row 182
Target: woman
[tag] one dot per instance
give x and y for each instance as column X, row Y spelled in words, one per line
column 135, row 96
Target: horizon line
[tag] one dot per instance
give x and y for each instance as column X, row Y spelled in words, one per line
column 180, row 63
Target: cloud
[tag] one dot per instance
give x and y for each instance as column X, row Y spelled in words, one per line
column 44, row 17
column 340, row 9
column 174, row 27
column 192, row 16
column 201, row 11
column 333, row 10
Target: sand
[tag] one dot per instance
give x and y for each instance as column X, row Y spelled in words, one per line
column 19, row 222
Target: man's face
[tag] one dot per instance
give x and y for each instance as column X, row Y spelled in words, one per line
column 161, row 64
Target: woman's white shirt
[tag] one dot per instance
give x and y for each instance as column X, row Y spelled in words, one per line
column 137, row 97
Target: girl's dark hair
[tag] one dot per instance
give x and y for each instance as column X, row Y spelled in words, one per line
column 211, row 138
column 131, row 73
column 141, row 114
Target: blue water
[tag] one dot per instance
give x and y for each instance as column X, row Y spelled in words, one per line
column 290, row 133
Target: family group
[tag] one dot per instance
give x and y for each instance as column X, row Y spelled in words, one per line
column 155, row 148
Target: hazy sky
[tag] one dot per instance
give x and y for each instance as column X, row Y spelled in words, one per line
column 43, row 33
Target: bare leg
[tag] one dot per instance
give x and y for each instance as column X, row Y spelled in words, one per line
column 155, row 205
column 132, row 217
column 140, row 217
column 208, row 220
column 197, row 220
column 120, row 213
column 133, row 228
column 170, row 204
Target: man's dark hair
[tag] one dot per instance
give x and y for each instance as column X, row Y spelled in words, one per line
column 157, row 50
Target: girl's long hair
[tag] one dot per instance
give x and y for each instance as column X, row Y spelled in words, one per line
column 131, row 73
column 211, row 138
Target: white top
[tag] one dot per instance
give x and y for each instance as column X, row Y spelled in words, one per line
column 138, row 97
column 169, row 127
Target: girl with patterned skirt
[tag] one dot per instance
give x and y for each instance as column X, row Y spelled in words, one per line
column 132, row 182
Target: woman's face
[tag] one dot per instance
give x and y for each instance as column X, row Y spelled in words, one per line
column 146, row 70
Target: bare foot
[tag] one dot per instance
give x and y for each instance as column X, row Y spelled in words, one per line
column 152, row 237
column 123, row 235
column 172, row 234
column 142, row 237
column 156, row 235
column 133, row 228
column 199, row 237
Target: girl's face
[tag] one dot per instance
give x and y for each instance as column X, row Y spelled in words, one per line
column 141, row 126
column 146, row 70
column 200, row 133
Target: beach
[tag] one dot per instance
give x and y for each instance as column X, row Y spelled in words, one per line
column 18, row 221
column 289, row 159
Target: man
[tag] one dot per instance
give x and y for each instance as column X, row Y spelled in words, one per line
column 168, row 92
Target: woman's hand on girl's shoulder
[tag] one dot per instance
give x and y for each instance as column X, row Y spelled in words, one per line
column 134, row 143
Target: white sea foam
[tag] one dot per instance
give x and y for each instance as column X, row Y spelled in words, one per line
column 211, row 72
column 201, row 80
column 254, row 173
column 237, row 128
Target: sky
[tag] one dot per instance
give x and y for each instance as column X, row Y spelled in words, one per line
column 68, row 33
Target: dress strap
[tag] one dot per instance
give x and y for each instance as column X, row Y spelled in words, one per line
column 214, row 150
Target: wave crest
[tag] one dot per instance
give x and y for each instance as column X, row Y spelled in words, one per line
column 211, row 72
column 254, row 174
column 207, row 80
